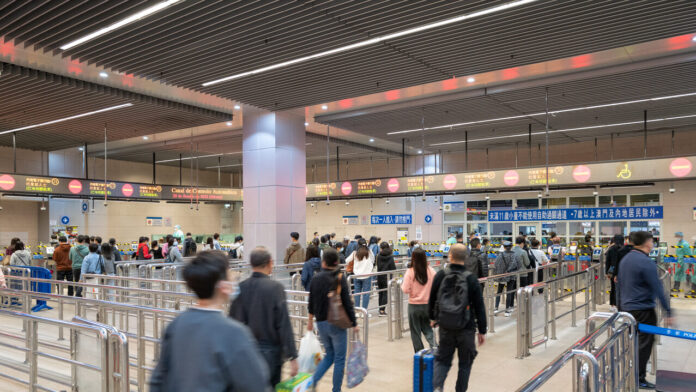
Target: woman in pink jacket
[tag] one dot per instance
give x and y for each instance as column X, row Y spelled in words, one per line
column 417, row 284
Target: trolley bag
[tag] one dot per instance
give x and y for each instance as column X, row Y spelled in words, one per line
column 423, row 371
column 300, row 383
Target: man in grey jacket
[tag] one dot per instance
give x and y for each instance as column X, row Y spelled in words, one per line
column 507, row 262
column 524, row 258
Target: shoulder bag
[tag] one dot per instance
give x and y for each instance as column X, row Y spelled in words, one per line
column 337, row 315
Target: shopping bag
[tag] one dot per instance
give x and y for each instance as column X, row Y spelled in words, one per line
column 357, row 365
column 300, row 383
column 310, row 353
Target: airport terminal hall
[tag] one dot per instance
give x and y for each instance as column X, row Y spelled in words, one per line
column 347, row 195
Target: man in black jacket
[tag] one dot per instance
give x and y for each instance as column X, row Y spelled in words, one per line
column 463, row 339
column 477, row 261
column 261, row 305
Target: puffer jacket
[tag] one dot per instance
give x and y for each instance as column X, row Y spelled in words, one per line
column 61, row 256
column 385, row 262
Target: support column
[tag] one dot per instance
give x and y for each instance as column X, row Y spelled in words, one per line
column 274, row 170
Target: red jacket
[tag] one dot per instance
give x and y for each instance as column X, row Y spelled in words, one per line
column 143, row 252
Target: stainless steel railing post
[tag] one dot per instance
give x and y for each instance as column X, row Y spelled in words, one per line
column 553, row 292
column 141, row 351
column 590, row 278
column 490, row 294
column 574, row 301
column 522, row 327
column 32, row 337
column 390, row 313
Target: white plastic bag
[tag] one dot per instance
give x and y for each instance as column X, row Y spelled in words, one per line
column 310, row 353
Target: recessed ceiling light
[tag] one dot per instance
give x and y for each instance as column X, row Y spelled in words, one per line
column 138, row 15
column 306, row 124
column 324, row 107
column 372, row 140
column 693, row 38
column 420, row 151
column 103, row 74
column 229, row 123
column 237, row 107
column 471, row 79
column 67, row 118
column 81, row 148
column 145, row 138
column 553, row 112
column 375, row 40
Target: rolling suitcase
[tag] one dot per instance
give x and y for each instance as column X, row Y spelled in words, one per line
column 423, row 362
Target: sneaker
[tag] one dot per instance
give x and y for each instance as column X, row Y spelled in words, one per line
column 369, row 315
column 382, row 314
column 613, row 309
column 507, row 314
column 644, row 384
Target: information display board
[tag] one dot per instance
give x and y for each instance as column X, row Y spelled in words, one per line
column 596, row 173
column 60, row 186
column 575, row 214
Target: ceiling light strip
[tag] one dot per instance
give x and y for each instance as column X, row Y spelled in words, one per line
column 375, row 40
column 125, row 105
column 215, row 167
column 199, row 156
column 565, row 130
column 138, row 15
column 606, row 105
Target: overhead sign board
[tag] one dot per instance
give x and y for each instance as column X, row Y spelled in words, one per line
column 404, row 219
column 596, row 173
column 576, row 214
column 60, row 186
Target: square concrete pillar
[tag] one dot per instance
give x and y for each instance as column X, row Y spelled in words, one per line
column 274, row 183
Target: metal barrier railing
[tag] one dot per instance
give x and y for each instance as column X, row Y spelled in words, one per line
column 35, row 348
column 611, row 365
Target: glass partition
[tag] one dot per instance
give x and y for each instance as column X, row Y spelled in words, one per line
column 613, row 201
column 645, row 200
column 554, row 202
column 582, row 202
column 527, row 204
column 476, row 210
column 478, row 228
column 608, row 229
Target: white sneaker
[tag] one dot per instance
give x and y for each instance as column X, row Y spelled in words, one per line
column 507, row 314
column 614, row 309
column 369, row 315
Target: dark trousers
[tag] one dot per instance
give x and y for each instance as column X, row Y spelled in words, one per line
column 510, row 300
column 382, row 285
column 645, row 340
column 612, row 293
column 271, row 354
column 76, row 278
column 463, row 342
column 419, row 323
column 66, row 275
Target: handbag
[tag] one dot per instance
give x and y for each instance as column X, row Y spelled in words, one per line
column 337, row 315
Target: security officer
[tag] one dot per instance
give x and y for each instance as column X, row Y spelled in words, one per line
column 682, row 250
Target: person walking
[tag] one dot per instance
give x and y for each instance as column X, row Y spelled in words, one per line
column 417, row 284
column 294, row 254
column 477, row 262
column 363, row 261
column 638, row 286
column 20, row 257
column 61, row 256
column 352, row 245
column 330, row 281
column 114, row 248
column 311, row 267
column 385, row 262
column 237, row 249
column 521, row 253
column 457, row 316
column 216, row 241
column 261, row 305
column 612, row 261
column 540, row 257
column 507, row 262
column 201, row 349
column 77, row 254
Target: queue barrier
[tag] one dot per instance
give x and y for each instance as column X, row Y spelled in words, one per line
column 605, row 359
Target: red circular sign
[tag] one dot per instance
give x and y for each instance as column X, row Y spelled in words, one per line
column 75, row 187
column 511, row 178
column 679, row 167
column 449, row 182
column 127, row 190
column 346, row 188
column 393, row 185
column 581, row 173
column 7, row 182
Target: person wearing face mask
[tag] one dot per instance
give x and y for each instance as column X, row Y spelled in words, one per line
column 174, row 255
column 262, row 306
column 202, row 350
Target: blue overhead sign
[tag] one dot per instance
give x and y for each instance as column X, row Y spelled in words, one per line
column 405, row 219
column 574, row 214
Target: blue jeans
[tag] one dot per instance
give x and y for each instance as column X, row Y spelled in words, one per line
column 335, row 342
column 363, row 286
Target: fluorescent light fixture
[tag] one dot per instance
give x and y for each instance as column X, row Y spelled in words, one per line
column 375, row 40
column 306, row 124
column 566, row 130
column 308, row 144
column 606, row 105
column 237, row 107
column 125, row 105
column 103, row 74
column 372, row 140
column 138, row 15
column 215, row 167
column 146, row 138
column 199, row 156
column 420, row 151
column 693, row 38
column 81, row 148
column 324, row 107
column 471, row 79
column 229, row 123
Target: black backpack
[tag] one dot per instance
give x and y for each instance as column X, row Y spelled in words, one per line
column 233, row 253
column 453, row 300
column 532, row 259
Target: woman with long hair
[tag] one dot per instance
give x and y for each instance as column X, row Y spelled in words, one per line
column 385, row 262
column 363, row 261
column 417, row 283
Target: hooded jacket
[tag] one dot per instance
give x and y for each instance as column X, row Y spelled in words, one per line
column 385, row 262
column 143, row 252
column 294, row 254
column 61, row 256
column 77, row 253
column 310, row 267
column 21, row 257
